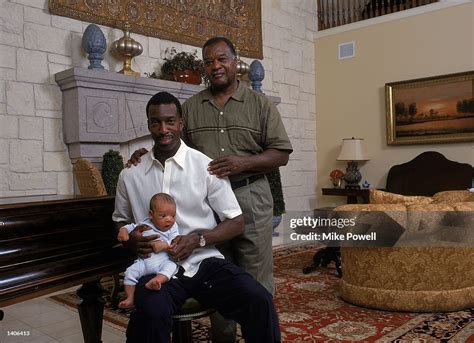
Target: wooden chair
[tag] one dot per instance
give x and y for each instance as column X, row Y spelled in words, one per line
column 88, row 178
column 90, row 183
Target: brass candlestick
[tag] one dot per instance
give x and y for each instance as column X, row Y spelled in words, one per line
column 128, row 48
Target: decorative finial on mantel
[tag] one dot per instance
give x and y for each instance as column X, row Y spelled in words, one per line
column 242, row 67
column 256, row 75
column 94, row 44
column 128, row 48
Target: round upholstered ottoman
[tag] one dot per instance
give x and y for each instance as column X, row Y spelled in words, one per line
column 418, row 279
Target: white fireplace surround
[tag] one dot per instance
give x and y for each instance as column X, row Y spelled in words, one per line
column 102, row 109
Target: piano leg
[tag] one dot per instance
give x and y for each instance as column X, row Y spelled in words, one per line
column 91, row 311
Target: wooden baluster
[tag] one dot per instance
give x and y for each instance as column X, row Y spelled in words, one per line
column 345, row 12
column 377, row 5
column 353, row 12
column 382, row 7
column 338, row 21
column 330, row 8
column 362, row 10
column 402, row 5
column 339, row 13
column 342, row 10
column 356, row 10
column 389, row 6
column 333, row 16
column 324, row 15
column 319, row 16
column 346, row 6
column 350, row 12
column 330, row 14
column 359, row 10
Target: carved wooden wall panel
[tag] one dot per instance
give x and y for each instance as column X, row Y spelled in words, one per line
column 185, row 21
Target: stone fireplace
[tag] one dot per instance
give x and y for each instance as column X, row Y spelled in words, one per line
column 102, row 109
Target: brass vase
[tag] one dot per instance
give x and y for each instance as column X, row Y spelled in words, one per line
column 242, row 68
column 128, row 48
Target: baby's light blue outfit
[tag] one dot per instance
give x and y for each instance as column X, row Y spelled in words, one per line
column 157, row 263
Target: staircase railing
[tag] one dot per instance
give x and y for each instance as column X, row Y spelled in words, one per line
column 333, row 13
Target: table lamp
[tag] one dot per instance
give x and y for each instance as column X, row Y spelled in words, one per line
column 352, row 150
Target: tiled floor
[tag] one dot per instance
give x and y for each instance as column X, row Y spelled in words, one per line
column 41, row 320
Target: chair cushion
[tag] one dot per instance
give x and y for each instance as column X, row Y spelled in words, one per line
column 192, row 309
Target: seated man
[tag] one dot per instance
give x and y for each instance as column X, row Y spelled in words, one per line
column 204, row 274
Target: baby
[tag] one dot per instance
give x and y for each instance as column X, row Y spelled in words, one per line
column 162, row 222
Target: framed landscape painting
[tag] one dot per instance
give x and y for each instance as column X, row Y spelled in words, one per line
column 436, row 109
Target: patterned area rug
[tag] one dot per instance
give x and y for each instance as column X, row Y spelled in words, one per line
column 310, row 311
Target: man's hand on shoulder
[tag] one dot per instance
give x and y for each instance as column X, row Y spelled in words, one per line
column 135, row 158
column 228, row 165
column 139, row 243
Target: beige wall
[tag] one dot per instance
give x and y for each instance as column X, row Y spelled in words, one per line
column 350, row 93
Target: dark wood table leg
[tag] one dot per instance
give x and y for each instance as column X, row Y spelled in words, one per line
column 1, row 315
column 91, row 311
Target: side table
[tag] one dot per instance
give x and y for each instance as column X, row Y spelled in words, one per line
column 351, row 194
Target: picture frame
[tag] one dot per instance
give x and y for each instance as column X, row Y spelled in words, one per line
column 438, row 109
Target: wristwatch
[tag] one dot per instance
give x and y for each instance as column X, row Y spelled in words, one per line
column 202, row 240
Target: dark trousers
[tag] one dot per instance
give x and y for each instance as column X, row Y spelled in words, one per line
column 218, row 284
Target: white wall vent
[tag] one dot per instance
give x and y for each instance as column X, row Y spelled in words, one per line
column 346, row 50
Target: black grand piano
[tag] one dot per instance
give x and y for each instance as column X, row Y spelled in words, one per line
column 49, row 243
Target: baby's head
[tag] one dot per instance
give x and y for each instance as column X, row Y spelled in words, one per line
column 162, row 211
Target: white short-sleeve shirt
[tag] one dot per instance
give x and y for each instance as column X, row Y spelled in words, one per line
column 197, row 193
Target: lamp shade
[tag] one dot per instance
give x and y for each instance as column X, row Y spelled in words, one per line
column 352, row 150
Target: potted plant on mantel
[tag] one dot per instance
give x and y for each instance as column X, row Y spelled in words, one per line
column 181, row 66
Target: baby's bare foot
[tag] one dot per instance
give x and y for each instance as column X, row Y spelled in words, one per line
column 153, row 284
column 127, row 303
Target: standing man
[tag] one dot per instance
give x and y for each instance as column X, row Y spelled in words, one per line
column 172, row 167
column 242, row 132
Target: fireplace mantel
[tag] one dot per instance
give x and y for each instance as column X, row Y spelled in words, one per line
column 102, row 109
